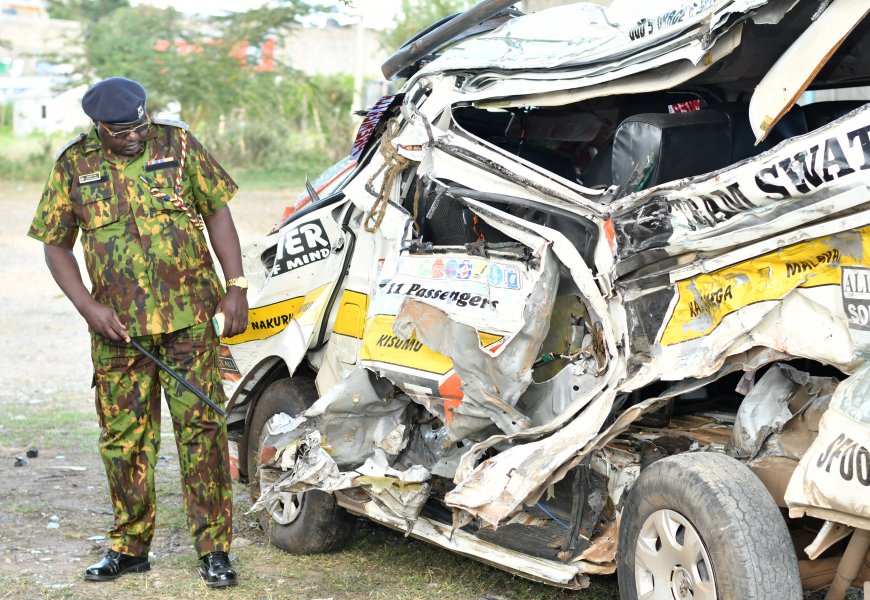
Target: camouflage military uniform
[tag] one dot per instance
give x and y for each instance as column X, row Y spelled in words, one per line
column 148, row 262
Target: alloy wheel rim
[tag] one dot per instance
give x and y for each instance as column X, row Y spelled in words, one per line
column 285, row 507
column 671, row 561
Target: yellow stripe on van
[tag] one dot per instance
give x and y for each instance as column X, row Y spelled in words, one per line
column 381, row 344
column 266, row 321
column 704, row 300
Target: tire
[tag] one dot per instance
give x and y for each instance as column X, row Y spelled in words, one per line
column 727, row 539
column 299, row 523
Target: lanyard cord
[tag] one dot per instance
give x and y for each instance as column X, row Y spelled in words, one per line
column 176, row 198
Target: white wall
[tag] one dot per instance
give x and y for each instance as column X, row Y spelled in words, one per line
column 49, row 111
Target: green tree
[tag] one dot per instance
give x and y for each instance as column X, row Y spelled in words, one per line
column 255, row 117
column 416, row 15
column 85, row 11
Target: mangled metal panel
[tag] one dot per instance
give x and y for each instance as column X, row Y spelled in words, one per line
column 519, row 475
column 484, row 298
column 361, row 425
column 586, row 33
column 462, row 542
column 800, row 181
column 832, row 480
column 766, row 420
column 700, row 299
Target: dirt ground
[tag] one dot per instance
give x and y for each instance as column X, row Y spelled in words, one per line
column 54, row 507
column 54, row 510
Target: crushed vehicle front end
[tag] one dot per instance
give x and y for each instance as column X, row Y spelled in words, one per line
column 570, row 270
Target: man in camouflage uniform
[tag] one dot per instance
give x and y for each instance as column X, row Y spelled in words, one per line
column 137, row 188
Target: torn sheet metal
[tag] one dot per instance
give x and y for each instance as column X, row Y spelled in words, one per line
column 797, row 182
column 586, row 33
column 358, row 415
column 832, row 480
column 765, row 408
column 486, row 299
column 305, row 465
column 492, row 382
column 520, row 474
column 360, row 426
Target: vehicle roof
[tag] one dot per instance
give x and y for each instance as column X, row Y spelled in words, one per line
column 594, row 38
column 580, row 51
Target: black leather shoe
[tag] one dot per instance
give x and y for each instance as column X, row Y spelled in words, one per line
column 216, row 570
column 115, row 564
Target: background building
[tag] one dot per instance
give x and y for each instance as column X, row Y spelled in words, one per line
column 29, row 81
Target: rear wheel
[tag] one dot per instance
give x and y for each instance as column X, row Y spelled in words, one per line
column 301, row 523
column 701, row 526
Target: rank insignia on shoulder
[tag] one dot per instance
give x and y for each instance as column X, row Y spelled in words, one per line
column 172, row 122
column 90, row 177
column 69, row 144
column 161, row 163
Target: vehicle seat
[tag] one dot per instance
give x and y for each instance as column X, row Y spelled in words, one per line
column 819, row 114
column 743, row 140
column 789, row 125
column 555, row 161
column 598, row 172
column 679, row 145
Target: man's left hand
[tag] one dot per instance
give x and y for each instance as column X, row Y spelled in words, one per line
column 234, row 306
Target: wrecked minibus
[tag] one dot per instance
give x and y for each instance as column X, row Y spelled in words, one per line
column 591, row 294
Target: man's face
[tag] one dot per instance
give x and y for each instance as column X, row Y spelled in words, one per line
column 125, row 140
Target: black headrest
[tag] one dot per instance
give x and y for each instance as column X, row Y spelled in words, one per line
column 665, row 147
column 821, row 113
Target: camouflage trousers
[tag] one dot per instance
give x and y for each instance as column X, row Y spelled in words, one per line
column 128, row 388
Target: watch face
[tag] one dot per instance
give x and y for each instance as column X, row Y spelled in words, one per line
column 240, row 282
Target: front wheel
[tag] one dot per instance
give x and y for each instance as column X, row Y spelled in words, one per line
column 298, row 522
column 701, row 526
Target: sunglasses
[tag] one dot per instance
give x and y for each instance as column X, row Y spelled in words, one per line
column 140, row 129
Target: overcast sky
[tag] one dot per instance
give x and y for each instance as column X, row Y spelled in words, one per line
column 376, row 13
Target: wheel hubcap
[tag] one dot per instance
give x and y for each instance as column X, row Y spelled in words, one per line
column 671, row 561
column 285, row 508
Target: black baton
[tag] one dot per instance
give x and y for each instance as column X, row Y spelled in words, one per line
column 178, row 378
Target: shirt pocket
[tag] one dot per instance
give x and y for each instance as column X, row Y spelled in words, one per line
column 163, row 200
column 96, row 205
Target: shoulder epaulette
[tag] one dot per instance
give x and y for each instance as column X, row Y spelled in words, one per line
column 72, row 142
column 172, row 122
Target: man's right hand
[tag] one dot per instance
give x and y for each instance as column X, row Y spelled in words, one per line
column 65, row 270
column 104, row 321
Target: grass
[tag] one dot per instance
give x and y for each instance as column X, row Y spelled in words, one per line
column 45, row 425
column 377, row 564
column 291, row 176
column 29, row 158
column 367, row 569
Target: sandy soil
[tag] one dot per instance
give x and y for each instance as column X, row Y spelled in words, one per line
column 55, row 509
column 44, row 353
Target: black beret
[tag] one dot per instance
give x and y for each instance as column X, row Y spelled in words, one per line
column 116, row 100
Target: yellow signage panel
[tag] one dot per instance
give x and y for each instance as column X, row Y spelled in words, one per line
column 266, row 321
column 380, row 344
column 704, row 300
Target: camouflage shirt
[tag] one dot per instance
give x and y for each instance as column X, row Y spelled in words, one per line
column 145, row 257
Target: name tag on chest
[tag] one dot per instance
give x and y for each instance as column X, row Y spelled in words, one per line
column 90, row 178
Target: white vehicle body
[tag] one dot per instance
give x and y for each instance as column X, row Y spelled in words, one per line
column 504, row 334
